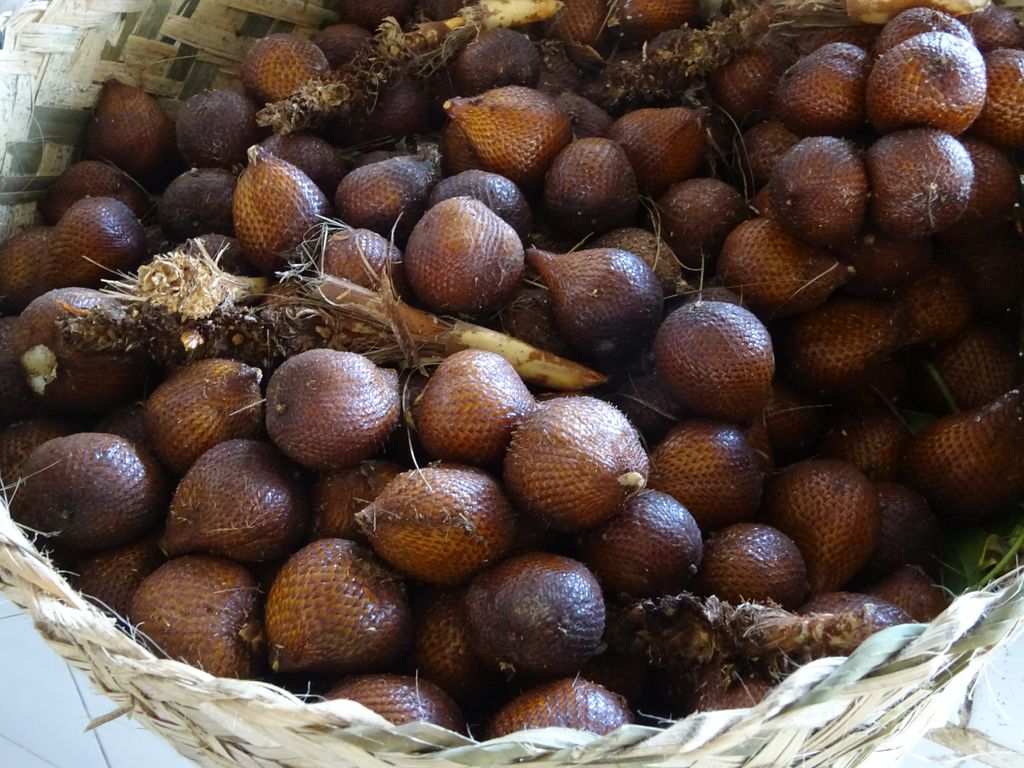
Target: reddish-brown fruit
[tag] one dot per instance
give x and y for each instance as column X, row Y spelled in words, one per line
column 579, row 22
column 910, row 533
column 92, row 178
column 573, row 462
column 834, row 348
column 23, row 261
column 993, row 193
column 665, row 146
column 470, row 407
column 130, row 129
column 861, row 35
column 934, row 80
column 649, row 408
column 883, row 613
column 969, row 465
column 654, row 251
column 569, row 703
column 496, row 192
column 370, row 13
column 92, row 491
column 696, row 216
column 341, row 42
column 776, row 273
column 716, row 359
column 823, row 94
column 400, row 699
column 829, row 508
column 530, row 316
column 885, row 382
column 975, row 368
column 591, row 188
column 763, row 144
column 1001, row 121
column 993, row 270
column 240, row 500
column 883, row 265
column 937, row 304
column 651, row 547
column 641, row 20
column 204, row 611
column 918, row 21
column 19, row 440
column 605, row 300
column 335, row 609
column 514, row 131
column 312, row 155
column 337, row 497
column 278, row 65
column 68, row 380
column 624, row 674
column 819, row 190
column 995, row 27
column 112, row 577
column 439, row 10
column 717, row 689
column 913, row 591
column 745, row 86
column 331, row 410
column 496, row 58
column 711, row 469
column 440, row 525
column 793, row 423
column 536, row 615
column 920, row 182
column 275, row 207
column 402, row 109
column 97, row 236
column 128, row 422
column 586, row 117
column 196, row 203
column 872, row 439
column 442, row 651
column 755, row 563
column 363, row 257
column 461, row 257
column 216, row 128
column 203, row 404
column 387, row 196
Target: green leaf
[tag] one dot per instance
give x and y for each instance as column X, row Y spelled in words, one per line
column 980, row 554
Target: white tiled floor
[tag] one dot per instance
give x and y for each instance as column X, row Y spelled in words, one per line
column 45, row 706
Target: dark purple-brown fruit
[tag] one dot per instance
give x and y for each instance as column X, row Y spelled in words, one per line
column 823, row 93
column 536, row 615
column 92, row 178
column 763, row 145
column 819, row 190
column 590, row 188
column 777, row 273
column 216, row 128
column 334, row 608
column 696, row 216
column 19, row 440
column 67, row 380
column 17, row 401
column 130, row 129
column 872, row 439
column 882, row 613
column 654, row 251
column 200, row 405
column 341, row 42
column 665, row 146
column 496, row 192
column 921, row 182
column 914, row 591
column 497, row 57
column 716, row 359
column 649, row 408
column 461, row 257
column 204, row 611
column 363, row 257
column 23, row 262
column 711, row 469
column 934, row 80
column 651, row 547
column 569, row 703
column 830, row 510
column 91, row 491
column 993, row 193
column 198, row 202
column 312, row 155
column 883, row 265
column 573, row 462
column 975, row 367
column 995, row 27
column 993, row 271
column 530, row 316
column 937, row 303
column 745, row 86
column 910, row 533
column 793, row 422
column 918, row 21
column 605, row 300
column 370, row 13
column 400, row 699
column 401, row 110
column 111, row 578
column 750, row 562
column 96, row 237
column 587, row 118
column 240, row 500
column 717, row 688
column 128, row 422
column 330, row 410
column 278, row 65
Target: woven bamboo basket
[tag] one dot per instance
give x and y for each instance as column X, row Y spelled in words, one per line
column 873, row 705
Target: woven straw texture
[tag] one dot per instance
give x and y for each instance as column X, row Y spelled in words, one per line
column 835, row 712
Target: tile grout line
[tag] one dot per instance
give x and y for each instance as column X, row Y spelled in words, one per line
column 28, row 751
column 88, row 714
